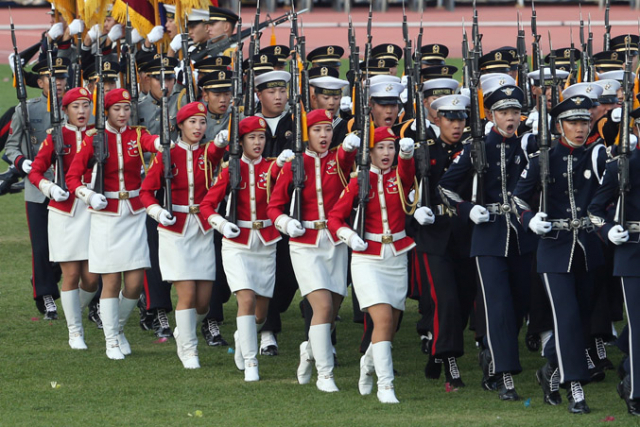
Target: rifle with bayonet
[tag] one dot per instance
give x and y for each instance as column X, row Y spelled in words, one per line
column 186, row 65
column 572, row 61
column 409, row 112
column 367, row 46
column 583, row 51
column 100, row 143
column 295, row 107
column 235, row 151
column 607, row 27
column 76, row 66
column 305, row 96
column 249, row 97
column 624, row 181
column 475, row 32
column 478, row 154
column 165, row 140
column 555, row 95
column 364, row 163
column 56, row 121
column 523, row 69
column 21, row 90
column 131, row 80
column 591, row 68
column 466, row 69
column 543, row 144
column 535, row 45
column 423, row 158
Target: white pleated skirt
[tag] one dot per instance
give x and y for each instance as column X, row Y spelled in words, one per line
column 250, row 267
column 322, row 267
column 190, row 256
column 380, row 281
column 69, row 235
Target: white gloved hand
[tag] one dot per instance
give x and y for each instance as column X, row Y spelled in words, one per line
column 176, row 43
column 230, row 230
column 539, row 224
column 58, row 194
column 424, row 216
column 76, row 27
column 222, row 138
column 155, row 34
column 488, row 127
column 427, row 124
column 479, row 214
column 406, row 147
column 56, row 31
column 284, row 157
column 345, row 103
column 351, row 142
column 98, row 202
column 465, row 91
column 11, row 62
column 633, row 142
column 136, row 37
column 532, row 122
column 115, row 33
column 357, row 244
column 404, row 96
column 295, row 229
column 26, row 166
column 94, row 33
column 616, row 114
column 165, row 218
column 403, row 80
column 159, row 148
column 618, row 235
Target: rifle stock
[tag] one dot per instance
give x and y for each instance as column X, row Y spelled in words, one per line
column 56, row 121
column 234, row 138
column 165, row 142
column 100, row 143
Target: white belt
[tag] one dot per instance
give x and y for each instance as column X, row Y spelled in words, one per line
column 254, row 225
column 122, row 195
column 498, row 209
column 385, row 238
column 193, row 209
column 320, row 224
column 571, row 224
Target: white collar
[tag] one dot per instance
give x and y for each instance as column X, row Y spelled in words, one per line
column 186, row 146
column 251, row 162
column 314, row 154
column 74, row 128
column 111, row 129
column 379, row 171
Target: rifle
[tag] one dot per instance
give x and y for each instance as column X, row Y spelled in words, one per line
column 165, row 140
column 100, row 143
column 583, row 47
column 607, row 27
column 478, row 154
column 353, row 56
column 56, row 121
column 591, row 66
column 572, row 60
column 624, row 181
column 76, row 66
column 305, row 96
column 364, row 163
column 466, row 73
column 131, row 80
column 423, row 160
column 555, row 96
column 544, row 145
column 367, row 46
column 297, row 164
column 186, row 65
column 409, row 112
column 475, row 32
column 523, row 69
column 21, row 90
column 249, row 98
column 535, row 45
column 235, row 151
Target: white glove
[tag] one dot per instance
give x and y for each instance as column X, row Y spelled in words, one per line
column 465, row 91
column 26, row 166
column 159, row 148
column 616, row 115
column 176, row 43
column 295, row 229
column 345, row 103
column 406, row 147
column 424, row 216
column 136, row 37
column 94, row 33
column 403, row 80
column 284, row 157
column 539, row 225
column 351, row 142
column 98, row 201
column 115, row 33
column 155, row 34
column 479, row 214
column 161, row 215
column 404, row 96
column 76, row 27
column 58, row 194
column 56, row 31
column 11, row 64
column 618, row 235
column 427, row 124
column 532, row 121
column 488, row 127
column 230, row 230
column 633, row 142
column 357, row 244
column 222, row 138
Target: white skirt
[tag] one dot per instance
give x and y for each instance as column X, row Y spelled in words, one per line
column 380, row 281
column 322, row 267
column 118, row 243
column 69, row 235
column 190, row 256
column 252, row 268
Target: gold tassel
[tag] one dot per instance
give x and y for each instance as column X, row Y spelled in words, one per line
column 481, row 104
column 49, row 101
column 305, row 131
column 273, row 35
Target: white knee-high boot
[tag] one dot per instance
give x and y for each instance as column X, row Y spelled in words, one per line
column 85, row 298
column 320, row 339
column 247, row 337
column 365, row 383
column 73, row 314
column 384, row 370
column 305, row 369
column 186, row 338
column 126, row 307
column 110, row 327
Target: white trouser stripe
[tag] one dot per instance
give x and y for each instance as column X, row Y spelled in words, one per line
column 486, row 315
column 626, row 306
column 555, row 328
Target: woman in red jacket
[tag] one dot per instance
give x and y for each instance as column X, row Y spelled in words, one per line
column 186, row 235
column 318, row 257
column 379, row 261
column 249, row 245
column 118, row 238
column 69, row 222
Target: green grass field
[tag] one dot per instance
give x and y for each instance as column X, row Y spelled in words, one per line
column 151, row 388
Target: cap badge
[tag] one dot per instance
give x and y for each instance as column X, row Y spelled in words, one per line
column 455, row 101
column 627, row 39
column 263, row 59
column 330, row 50
column 567, row 53
column 219, row 60
column 607, row 86
column 262, row 123
column 614, row 56
column 445, row 70
column 389, row 88
column 165, row 61
column 381, row 63
column 507, row 91
column 201, row 107
column 328, row 114
column 277, row 50
column 59, row 62
column 588, row 89
column 502, row 82
column 221, row 75
column 324, row 71
column 436, row 48
column 390, row 131
column 83, row 92
column 126, row 95
column 578, row 100
column 390, row 48
column 106, row 66
column 498, row 56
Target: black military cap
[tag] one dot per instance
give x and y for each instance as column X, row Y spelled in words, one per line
column 262, row 63
column 433, row 54
column 60, row 67
column 142, row 59
column 513, row 52
column 217, row 81
column 574, row 108
column 212, row 63
column 619, row 43
column 220, row 14
column 376, row 67
column 563, row 58
column 316, row 72
column 505, row 97
column 609, row 60
column 496, row 62
column 437, row 72
column 169, row 11
column 110, row 70
column 279, row 51
column 326, row 55
column 387, row 51
column 154, row 66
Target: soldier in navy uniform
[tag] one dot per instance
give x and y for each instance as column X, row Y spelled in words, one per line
column 500, row 245
column 568, row 251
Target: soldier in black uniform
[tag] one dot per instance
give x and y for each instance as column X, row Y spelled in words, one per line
column 280, row 52
column 388, row 51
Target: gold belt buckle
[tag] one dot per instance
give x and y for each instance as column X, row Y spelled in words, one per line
column 319, row 225
column 387, row 238
column 194, row 209
column 123, row 195
column 257, row 225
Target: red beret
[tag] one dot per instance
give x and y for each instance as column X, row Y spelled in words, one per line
column 251, row 124
column 191, row 109
column 116, row 96
column 76, row 94
column 317, row 117
column 383, row 134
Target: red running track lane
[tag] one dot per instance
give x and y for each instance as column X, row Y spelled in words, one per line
column 497, row 23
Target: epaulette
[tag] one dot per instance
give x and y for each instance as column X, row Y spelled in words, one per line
column 49, row 131
column 92, row 132
column 536, row 154
column 138, row 127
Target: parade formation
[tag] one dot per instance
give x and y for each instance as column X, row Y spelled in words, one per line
column 504, row 201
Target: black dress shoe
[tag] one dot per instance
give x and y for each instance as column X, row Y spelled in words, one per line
column 51, row 310
column 624, row 391
column 489, row 379
column 270, row 350
column 506, row 388
column 94, row 314
column 575, row 395
column 452, row 373
column 211, row 333
column 161, row 326
column 549, row 379
column 433, row 368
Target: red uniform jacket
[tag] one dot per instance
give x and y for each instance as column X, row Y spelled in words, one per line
column 72, row 137
column 191, row 174
column 123, row 167
column 252, row 198
column 321, row 190
column 384, row 192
